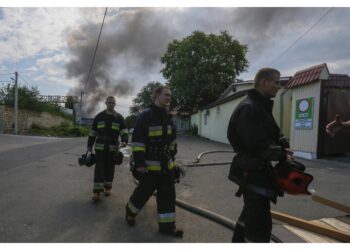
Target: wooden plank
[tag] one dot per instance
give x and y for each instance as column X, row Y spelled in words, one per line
column 330, row 203
column 308, row 236
column 338, row 224
column 345, row 219
column 311, row 226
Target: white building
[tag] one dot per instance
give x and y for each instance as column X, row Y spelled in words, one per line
column 302, row 109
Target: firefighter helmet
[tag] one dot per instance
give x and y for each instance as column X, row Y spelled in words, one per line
column 118, row 158
column 87, row 159
column 292, row 179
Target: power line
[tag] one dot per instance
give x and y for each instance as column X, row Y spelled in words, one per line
column 300, row 37
column 93, row 57
column 4, row 74
column 93, row 60
column 24, row 79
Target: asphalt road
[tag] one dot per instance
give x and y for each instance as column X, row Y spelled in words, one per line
column 45, row 194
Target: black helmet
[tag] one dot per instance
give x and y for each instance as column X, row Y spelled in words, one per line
column 87, row 159
column 118, row 158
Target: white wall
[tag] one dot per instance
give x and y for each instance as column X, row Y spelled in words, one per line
column 217, row 121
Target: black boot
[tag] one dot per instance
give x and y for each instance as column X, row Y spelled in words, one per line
column 129, row 217
column 175, row 232
column 238, row 234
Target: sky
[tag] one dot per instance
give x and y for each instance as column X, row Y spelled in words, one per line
column 52, row 47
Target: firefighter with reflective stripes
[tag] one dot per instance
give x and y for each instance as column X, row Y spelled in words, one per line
column 257, row 140
column 107, row 126
column 154, row 149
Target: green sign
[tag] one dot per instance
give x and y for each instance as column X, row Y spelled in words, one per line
column 304, row 113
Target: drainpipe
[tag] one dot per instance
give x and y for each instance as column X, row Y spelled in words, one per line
column 281, row 107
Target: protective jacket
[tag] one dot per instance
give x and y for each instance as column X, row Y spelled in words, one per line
column 154, row 140
column 257, row 140
column 154, row 147
column 105, row 131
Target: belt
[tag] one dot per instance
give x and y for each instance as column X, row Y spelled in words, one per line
column 259, row 190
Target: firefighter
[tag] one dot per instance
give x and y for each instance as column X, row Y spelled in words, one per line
column 256, row 138
column 107, row 126
column 154, row 149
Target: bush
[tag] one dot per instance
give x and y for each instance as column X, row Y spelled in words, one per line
column 63, row 130
column 29, row 98
column 36, row 126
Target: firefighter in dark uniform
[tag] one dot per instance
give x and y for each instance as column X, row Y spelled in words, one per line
column 154, row 149
column 107, row 126
column 256, row 138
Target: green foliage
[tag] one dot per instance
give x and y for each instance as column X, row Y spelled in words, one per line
column 63, row 130
column 200, row 67
column 29, row 98
column 143, row 98
column 70, row 103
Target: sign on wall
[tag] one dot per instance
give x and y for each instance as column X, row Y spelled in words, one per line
column 304, row 113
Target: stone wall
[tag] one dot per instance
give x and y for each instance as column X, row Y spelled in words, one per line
column 1, row 118
column 26, row 118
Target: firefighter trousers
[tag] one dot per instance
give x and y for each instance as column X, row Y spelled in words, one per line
column 104, row 171
column 255, row 222
column 165, row 187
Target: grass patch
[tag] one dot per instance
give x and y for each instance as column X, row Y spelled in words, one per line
column 62, row 130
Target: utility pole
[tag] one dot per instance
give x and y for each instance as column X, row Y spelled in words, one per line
column 16, row 104
column 81, row 104
column 91, row 65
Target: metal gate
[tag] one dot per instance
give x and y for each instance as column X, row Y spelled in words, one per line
column 334, row 101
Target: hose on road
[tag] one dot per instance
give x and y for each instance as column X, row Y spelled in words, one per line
column 210, row 215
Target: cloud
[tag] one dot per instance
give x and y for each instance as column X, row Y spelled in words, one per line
column 59, row 43
column 133, row 41
column 32, row 69
column 48, row 65
column 131, row 45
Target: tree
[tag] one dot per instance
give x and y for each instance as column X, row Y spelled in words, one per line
column 143, row 98
column 200, row 67
column 29, row 98
column 69, row 102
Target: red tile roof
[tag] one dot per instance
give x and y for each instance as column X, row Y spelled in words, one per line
column 338, row 81
column 306, row 76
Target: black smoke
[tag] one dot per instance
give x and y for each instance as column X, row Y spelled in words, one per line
column 130, row 45
column 133, row 40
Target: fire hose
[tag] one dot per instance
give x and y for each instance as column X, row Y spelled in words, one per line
column 324, row 230
column 210, row 215
column 226, row 222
